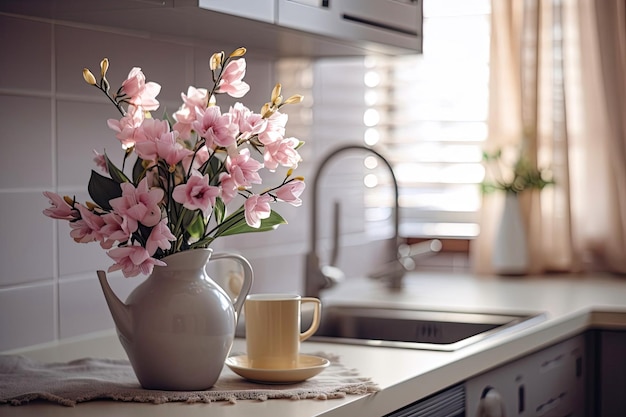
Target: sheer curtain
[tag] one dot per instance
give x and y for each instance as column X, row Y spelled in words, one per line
column 558, row 79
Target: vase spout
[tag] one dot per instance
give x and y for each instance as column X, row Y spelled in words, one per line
column 119, row 311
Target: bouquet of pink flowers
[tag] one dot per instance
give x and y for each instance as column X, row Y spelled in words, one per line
column 186, row 170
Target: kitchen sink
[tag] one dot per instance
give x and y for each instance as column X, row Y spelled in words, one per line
column 415, row 328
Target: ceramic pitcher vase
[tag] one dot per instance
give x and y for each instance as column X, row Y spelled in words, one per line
column 178, row 326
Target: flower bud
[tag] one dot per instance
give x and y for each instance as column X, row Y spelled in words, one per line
column 91, row 206
column 88, row 76
column 276, row 93
column 299, row 178
column 68, row 200
column 104, row 66
column 295, row 99
column 238, row 52
column 216, row 60
column 289, row 172
column 266, row 111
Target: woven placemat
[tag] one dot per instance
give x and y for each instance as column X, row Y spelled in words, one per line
column 23, row 380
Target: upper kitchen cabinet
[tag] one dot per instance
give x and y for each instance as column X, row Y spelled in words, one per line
column 281, row 28
column 262, row 10
column 386, row 26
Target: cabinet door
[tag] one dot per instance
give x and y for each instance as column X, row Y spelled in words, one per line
column 261, row 10
column 610, row 379
column 547, row 383
column 389, row 23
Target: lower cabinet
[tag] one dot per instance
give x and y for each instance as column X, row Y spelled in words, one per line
column 607, row 382
column 581, row 376
column 447, row 403
column 551, row 382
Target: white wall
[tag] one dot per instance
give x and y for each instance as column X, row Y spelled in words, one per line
column 50, row 122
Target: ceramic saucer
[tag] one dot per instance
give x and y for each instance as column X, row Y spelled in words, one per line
column 308, row 366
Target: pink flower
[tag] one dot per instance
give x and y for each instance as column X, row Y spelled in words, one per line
column 275, row 129
column 165, row 146
column 232, row 76
column 147, row 135
column 87, row 228
column 113, row 230
column 59, row 208
column 172, row 151
column 282, row 152
column 152, row 129
column 160, row 237
column 127, row 127
column 196, row 99
column 196, row 193
column 243, row 169
column 141, row 93
column 216, row 127
column 290, row 192
column 249, row 123
column 138, row 205
column 228, row 187
column 133, row 260
column 257, row 207
column 100, row 161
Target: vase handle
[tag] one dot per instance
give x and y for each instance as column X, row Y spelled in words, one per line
column 248, row 277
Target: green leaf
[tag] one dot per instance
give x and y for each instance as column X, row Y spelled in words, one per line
column 204, row 243
column 196, row 226
column 116, row 174
column 138, row 171
column 103, row 189
column 240, row 226
column 219, row 210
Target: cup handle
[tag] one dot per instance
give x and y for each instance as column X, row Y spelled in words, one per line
column 248, row 277
column 315, row 324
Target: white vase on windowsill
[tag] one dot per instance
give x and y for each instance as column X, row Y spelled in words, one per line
column 510, row 250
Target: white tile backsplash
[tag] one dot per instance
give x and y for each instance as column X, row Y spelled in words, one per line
column 82, row 307
column 27, row 253
column 81, row 128
column 27, row 315
column 25, row 136
column 77, row 258
column 50, row 123
column 26, row 53
column 276, row 274
column 167, row 63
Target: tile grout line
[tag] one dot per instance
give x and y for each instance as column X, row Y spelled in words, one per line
column 55, row 182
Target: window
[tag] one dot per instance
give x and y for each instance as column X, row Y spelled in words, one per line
column 427, row 114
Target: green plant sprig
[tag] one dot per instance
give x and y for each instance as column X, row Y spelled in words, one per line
column 524, row 176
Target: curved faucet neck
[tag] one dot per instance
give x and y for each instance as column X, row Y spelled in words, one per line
column 316, row 184
column 314, row 283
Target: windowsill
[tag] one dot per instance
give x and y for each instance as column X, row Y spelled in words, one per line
column 448, row 245
column 456, row 240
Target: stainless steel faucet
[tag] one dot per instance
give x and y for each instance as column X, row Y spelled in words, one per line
column 319, row 277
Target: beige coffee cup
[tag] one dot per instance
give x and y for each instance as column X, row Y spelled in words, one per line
column 273, row 329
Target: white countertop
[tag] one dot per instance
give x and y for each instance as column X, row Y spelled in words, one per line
column 572, row 304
